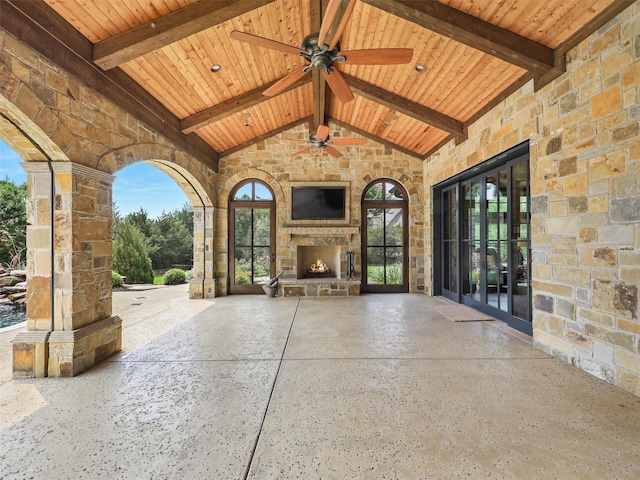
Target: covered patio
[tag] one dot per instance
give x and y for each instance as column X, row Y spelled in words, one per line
column 376, row 386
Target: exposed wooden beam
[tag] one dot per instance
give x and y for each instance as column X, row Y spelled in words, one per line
column 267, row 135
column 319, row 83
column 170, row 28
column 41, row 28
column 375, row 138
column 232, row 106
column 472, row 31
column 406, row 107
column 319, row 99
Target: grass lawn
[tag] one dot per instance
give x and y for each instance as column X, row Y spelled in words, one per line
column 158, row 280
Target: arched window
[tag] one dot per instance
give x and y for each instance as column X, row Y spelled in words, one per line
column 385, row 237
column 251, row 236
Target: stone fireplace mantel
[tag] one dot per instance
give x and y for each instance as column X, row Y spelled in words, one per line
column 292, row 231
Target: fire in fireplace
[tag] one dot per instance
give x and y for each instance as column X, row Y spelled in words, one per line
column 318, row 269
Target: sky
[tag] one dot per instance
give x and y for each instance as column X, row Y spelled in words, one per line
column 137, row 186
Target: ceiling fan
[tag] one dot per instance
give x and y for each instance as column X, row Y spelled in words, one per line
column 322, row 51
column 321, row 139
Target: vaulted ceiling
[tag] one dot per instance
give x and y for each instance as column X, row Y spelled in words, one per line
column 156, row 59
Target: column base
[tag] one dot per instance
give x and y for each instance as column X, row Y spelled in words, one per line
column 202, row 288
column 30, row 354
column 74, row 351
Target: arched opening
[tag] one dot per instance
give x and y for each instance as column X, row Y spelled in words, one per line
column 13, row 240
column 251, row 236
column 385, row 237
column 150, row 205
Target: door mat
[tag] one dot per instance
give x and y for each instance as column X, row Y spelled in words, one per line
column 462, row 313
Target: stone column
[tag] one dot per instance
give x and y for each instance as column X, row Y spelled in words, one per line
column 31, row 348
column 73, row 229
column 203, row 283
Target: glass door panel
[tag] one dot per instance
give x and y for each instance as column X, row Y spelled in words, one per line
column 394, row 272
column 252, row 247
column 471, row 273
column 519, row 265
column 449, row 247
column 485, row 219
column 375, row 265
column 384, row 240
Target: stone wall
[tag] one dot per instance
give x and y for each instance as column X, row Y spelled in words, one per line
column 72, row 139
column 270, row 162
column 585, row 185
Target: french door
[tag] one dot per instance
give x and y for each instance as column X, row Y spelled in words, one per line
column 384, row 238
column 483, row 243
column 251, row 237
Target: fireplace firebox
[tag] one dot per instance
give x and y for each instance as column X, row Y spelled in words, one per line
column 318, row 261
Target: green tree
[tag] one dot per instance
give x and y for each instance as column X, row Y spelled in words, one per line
column 171, row 241
column 130, row 257
column 13, row 223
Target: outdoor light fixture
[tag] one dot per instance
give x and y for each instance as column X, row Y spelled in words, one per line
column 420, row 68
column 215, row 68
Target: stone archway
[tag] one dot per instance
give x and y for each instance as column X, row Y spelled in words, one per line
column 198, row 183
column 69, row 161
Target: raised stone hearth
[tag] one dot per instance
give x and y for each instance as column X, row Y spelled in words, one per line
column 319, row 287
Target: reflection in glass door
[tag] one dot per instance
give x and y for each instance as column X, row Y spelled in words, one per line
column 251, row 237
column 493, row 240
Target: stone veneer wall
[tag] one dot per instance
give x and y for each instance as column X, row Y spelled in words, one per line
column 270, row 162
column 585, row 187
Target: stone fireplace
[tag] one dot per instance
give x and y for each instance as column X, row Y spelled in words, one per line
column 307, row 244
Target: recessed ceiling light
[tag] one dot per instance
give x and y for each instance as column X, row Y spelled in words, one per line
column 420, row 68
column 215, row 68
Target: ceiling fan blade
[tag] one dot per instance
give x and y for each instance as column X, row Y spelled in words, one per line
column 348, row 141
column 378, row 56
column 264, row 42
column 338, row 85
column 335, row 19
column 332, row 151
column 300, row 151
column 323, row 132
column 285, row 82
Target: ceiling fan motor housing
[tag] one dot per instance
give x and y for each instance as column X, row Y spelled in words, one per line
column 319, row 56
column 318, row 142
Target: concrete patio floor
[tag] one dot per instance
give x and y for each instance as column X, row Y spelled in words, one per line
column 370, row 387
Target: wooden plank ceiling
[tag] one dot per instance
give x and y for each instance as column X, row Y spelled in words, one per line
column 473, row 53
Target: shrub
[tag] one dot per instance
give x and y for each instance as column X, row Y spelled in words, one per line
column 116, row 280
column 189, row 274
column 175, row 276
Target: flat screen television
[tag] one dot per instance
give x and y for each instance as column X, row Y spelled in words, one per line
column 317, row 203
